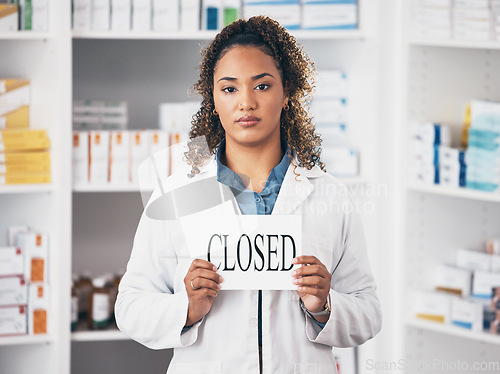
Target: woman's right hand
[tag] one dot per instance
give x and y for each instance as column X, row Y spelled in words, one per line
column 202, row 285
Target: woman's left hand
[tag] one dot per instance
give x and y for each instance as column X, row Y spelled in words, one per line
column 313, row 281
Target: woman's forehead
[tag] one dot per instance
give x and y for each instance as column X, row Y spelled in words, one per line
column 245, row 60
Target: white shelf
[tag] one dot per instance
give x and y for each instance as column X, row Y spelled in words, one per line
column 478, row 44
column 26, row 188
column 98, row 335
column 106, row 188
column 463, row 193
column 453, row 330
column 208, row 35
column 26, row 35
column 25, row 340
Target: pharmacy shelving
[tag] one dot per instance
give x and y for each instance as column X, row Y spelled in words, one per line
column 437, row 79
column 464, row 193
column 45, row 59
column 458, row 332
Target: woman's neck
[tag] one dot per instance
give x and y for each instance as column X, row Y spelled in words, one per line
column 252, row 164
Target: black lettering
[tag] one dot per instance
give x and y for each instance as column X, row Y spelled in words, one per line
column 259, row 252
column 225, row 255
column 283, row 237
column 249, row 252
column 210, row 245
column 275, row 251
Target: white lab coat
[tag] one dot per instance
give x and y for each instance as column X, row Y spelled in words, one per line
column 152, row 302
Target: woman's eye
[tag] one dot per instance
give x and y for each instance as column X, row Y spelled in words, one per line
column 262, row 86
column 228, row 89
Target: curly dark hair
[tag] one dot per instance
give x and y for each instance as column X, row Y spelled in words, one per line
column 297, row 72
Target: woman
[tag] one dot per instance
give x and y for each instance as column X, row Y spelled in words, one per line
column 261, row 144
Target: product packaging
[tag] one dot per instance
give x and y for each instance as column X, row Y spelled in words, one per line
column 473, row 260
column 81, row 157
column 119, row 160
column 141, row 15
column 433, row 306
column 99, row 157
column 190, row 15
column 467, row 314
column 11, row 261
column 14, row 117
column 13, row 291
column 328, row 14
column 9, row 17
column 38, row 308
column 165, row 15
column 453, row 280
column 82, row 15
column 101, row 15
column 121, row 15
column 13, row 320
column 36, row 252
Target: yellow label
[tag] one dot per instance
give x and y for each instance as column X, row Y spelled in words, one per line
column 431, row 317
column 26, row 158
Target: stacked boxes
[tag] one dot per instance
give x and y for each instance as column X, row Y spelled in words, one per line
column 24, row 152
column 9, row 17
column 24, row 299
column 457, row 19
column 32, row 14
column 194, row 15
column 427, row 139
column 483, row 152
column 467, row 293
column 103, row 158
column 329, row 109
column 99, row 115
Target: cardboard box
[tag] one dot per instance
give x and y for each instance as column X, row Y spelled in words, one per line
column 36, row 252
column 13, row 320
column 17, row 92
column 453, row 280
column 13, row 291
column 14, row 117
column 473, row 260
column 81, row 157
column 38, row 308
column 9, row 17
column 483, row 282
column 433, row 306
column 165, row 15
column 99, row 157
column 11, row 261
column 467, row 314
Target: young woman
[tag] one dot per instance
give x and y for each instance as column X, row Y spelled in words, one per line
column 255, row 81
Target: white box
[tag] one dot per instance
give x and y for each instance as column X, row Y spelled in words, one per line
column 139, row 152
column 473, row 260
column 121, row 15
column 9, row 17
column 17, row 93
column 11, row 261
column 101, row 15
column 287, row 13
column 12, row 231
column 453, row 280
column 13, row 291
column 40, row 18
column 82, row 15
column 332, row 83
column 38, row 308
column 35, row 247
column 483, row 282
column 467, row 314
column 13, row 320
column 141, row 15
column 99, row 157
column 81, row 157
column 334, row 135
column 190, row 15
column 434, row 306
column 165, row 15
column 119, row 160
column 325, row 110
column 325, row 15
column 432, row 133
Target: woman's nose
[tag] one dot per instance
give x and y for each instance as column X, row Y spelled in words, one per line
column 247, row 100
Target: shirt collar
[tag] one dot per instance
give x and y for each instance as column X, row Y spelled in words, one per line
column 230, row 178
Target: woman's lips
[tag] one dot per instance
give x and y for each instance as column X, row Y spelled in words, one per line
column 247, row 121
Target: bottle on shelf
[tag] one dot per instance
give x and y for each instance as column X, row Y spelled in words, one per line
column 98, row 314
column 74, row 305
column 84, row 287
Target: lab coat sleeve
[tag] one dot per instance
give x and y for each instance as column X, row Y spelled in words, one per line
column 147, row 308
column 356, row 315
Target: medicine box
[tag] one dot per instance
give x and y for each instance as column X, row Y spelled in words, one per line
column 433, row 306
column 13, row 291
column 101, row 15
column 40, row 15
column 139, row 152
column 467, row 314
column 119, row 158
column 11, row 261
column 9, row 17
column 81, row 157
column 35, row 248
column 286, row 12
column 13, row 320
column 473, row 260
column 82, row 15
column 165, row 15
column 329, row 14
column 121, row 15
column 190, row 15
column 483, row 282
column 14, row 117
column 99, row 157
column 141, row 15
column 38, row 308
column 453, row 280
column 17, row 92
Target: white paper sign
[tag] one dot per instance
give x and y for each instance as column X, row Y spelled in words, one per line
column 252, row 252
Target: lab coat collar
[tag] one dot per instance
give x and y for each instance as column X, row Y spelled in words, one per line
column 294, row 189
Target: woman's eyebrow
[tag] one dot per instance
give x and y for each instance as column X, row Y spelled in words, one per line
column 255, row 77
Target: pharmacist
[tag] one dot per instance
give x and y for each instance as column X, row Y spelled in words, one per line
column 260, row 143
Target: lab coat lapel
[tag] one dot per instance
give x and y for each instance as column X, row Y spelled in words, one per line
column 293, row 191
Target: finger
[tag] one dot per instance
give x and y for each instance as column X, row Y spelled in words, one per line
column 204, row 292
column 311, row 291
column 198, row 283
column 309, row 270
column 203, row 264
column 315, row 281
column 305, row 260
column 204, row 273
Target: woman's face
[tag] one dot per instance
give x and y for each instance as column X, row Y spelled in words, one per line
column 249, row 96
